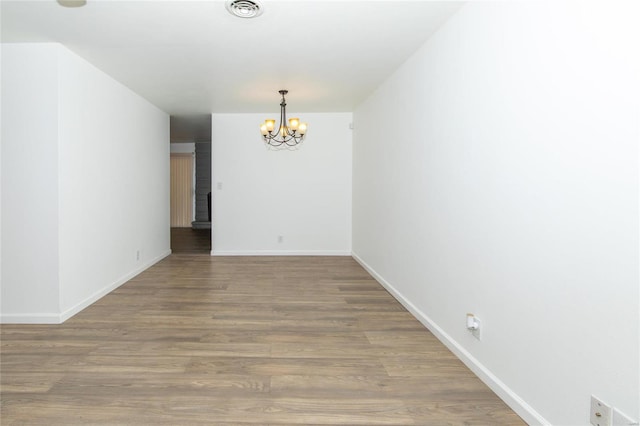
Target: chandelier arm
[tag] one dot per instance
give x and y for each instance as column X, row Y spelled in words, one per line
column 291, row 142
column 277, row 141
column 277, row 137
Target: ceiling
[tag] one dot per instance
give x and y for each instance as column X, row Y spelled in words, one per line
column 194, row 57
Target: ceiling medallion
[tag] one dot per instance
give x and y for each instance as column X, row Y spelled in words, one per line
column 287, row 135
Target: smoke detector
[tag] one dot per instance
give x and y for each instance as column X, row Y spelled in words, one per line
column 244, row 8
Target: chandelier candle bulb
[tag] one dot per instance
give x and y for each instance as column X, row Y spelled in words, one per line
column 293, row 124
column 263, row 129
column 302, row 128
column 270, row 125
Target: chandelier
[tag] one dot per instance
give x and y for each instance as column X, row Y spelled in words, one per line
column 285, row 135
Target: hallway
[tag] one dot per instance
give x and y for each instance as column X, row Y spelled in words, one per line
column 190, row 241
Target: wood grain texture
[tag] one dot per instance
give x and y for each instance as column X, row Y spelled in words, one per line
column 238, row 341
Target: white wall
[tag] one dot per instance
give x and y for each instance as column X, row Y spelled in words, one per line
column 511, row 191
column 29, row 183
column 85, row 183
column 1, row 180
column 302, row 195
column 114, row 183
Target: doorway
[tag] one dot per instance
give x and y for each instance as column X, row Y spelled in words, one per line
column 190, row 184
column 185, row 238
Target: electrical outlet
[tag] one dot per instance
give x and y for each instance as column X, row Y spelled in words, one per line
column 137, row 255
column 474, row 325
column 621, row 419
column 600, row 413
column 280, row 238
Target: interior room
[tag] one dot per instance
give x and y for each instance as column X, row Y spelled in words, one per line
column 393, row 212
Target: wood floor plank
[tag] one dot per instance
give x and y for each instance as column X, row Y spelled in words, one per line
column 241, row 341
column 28, row 382
column 285, row 366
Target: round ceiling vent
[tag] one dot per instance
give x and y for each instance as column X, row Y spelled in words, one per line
column 244, row 8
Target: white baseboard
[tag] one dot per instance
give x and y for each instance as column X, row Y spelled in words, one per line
column 109, row 288
column 39, row 318
column 517, row 404
column 55, row 318
column 280, row 253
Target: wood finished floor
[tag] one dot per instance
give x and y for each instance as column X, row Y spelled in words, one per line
column 192, row 241
column 241, row 340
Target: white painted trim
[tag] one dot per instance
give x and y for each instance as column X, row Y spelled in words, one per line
column 280, row 253
column 30, row 319
column 517, row 404
column 62, row 317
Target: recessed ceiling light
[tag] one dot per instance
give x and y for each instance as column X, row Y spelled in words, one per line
column 244, row 8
